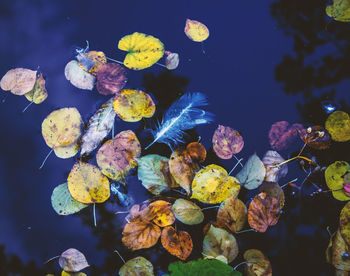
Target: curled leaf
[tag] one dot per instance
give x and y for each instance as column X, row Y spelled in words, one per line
column 177, row 243
column 133, row 105
column 91, row 61
column 227, row 142
column 252, row 174
column 263, row 211
column 196, row 30
column 72, row 260
column 232, row 214
column 111, row 78
column 274, row 172
column 117, row 156
column 257, row 263
column 187, row 212
column 212, row 185
column 87, row 184
column 100, row 124
column 138, row 266
column 219, row 242
column 153, row 171
column 338, row 126
column 39, row 93
column 78, row 77
column 182, row 168
column 172, row 61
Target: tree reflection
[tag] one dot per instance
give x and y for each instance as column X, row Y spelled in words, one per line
column 321, row 46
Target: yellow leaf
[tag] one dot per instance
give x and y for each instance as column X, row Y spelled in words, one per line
column 87, row 184
column 38, row 94
column 62, row 128
column 338, row 126
column 68, row 151
column 339, row 10
column 143, row 50
column 212, row 185
column 335, row 181
column 64, row 273
column 196, row 30
column 132, row 105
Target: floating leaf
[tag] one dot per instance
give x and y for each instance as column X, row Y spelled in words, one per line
column 63, row 203
column 219, row 242
column 252, row 174
column 153, row 171
column 212, row 185
column 177, row 243
column 316, row 137
column 163, row 213
column 227, row 142
column 78, row 77
column 344, row 223
column 87, row 184
column 182, row 168
column 39, row 93
column 338, row 126
column 64, row 273
column 140, row 234
column 187, row 212
column 335, row 251
column 133, row 105
column 274, row 190
column 117, row 156
column 203, row 268
column 92, row 61
column 143, row 50
column 196, row 151
column 62, row 128
column 72, row 260
column 138, row 266
column 111, row 78
column 282, row 134
column 263, row 211
column 100, row 124
column 273, row 172
column 339, row 10
column 334, row 176
column 19, row 81
column 257, row 263
column 196, row 30
column 232, row 214
column 172, row 60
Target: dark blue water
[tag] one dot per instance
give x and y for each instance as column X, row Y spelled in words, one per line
column 265, row 61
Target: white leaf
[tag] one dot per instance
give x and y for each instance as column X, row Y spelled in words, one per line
column 252, row 174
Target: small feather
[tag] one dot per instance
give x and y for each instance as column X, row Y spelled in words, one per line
column 100, row 124
column 182, row 115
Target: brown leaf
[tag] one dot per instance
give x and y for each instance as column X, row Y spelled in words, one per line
column 336, row 250
column 316, row 137
column 257, row 263
column 182, row 168
column 232, row 214
column 111, row 78
column 196, row 151
column 273, row 189
column 140, row 234
column 177, row 243
column 263, row 211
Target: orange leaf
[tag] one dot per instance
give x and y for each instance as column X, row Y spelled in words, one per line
column 163, row 214
column 176, row 243
column 140, row 234
column 263, row 211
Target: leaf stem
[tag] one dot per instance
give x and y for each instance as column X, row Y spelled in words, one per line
column 114, row 60
column 116, row 251
column 53, row 258
column 47, row 156
column 235, row 268
column 24, row 110
column 235, row 166
column 247, row 230
column 94, row 213
column 211, row 207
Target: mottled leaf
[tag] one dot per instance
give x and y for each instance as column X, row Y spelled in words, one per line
column 39, row 93
column 138, row 266
column 273, row 172
column 72, row 260
column 78, row 77
column 91, row 61
column 227, row 142
column 19, row 81
column 111, row 78
column 257, row 263
column 338, row 126
column 282, row 134
column 187, row 212
column 163, row 215
column 334, row 176
column 196, row 30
